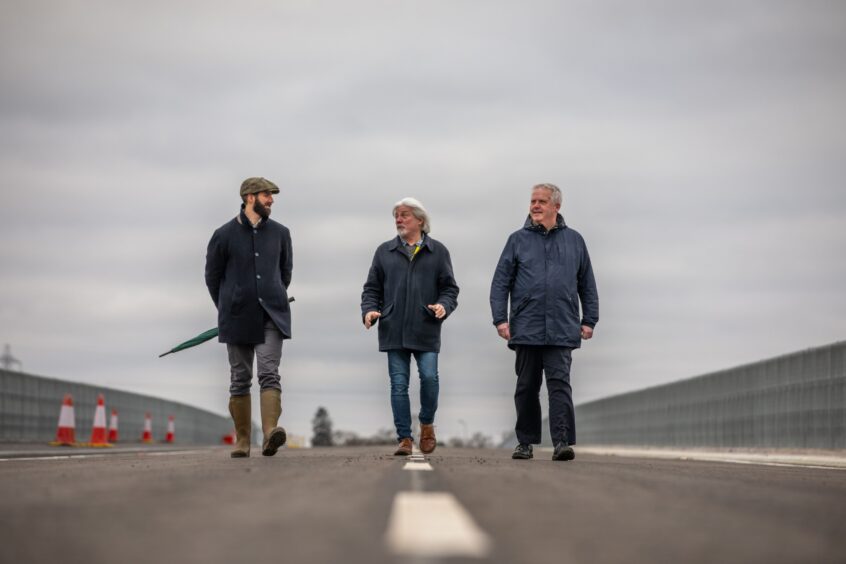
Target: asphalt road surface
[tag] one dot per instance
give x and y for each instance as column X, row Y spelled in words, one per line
column 362, row 505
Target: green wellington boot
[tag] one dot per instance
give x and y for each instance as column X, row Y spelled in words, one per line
column 240, row 410
column 271, row 409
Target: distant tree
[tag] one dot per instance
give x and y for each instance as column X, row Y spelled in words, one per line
column 478, row 440
column 344, row 438
column 349, row 438
column 322, row 427
column 455, row 442
column 384, row 437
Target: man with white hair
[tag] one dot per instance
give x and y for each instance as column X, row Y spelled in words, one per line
column 545, row 271
column 410, row 290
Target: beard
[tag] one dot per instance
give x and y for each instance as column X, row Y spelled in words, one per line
column 261, row 209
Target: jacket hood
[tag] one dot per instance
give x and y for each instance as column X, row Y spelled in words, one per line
column 559, row 223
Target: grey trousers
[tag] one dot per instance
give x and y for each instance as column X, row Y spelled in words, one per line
column 268, row 355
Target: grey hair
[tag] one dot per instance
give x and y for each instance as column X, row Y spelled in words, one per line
column 554, row 191
column 417, row 211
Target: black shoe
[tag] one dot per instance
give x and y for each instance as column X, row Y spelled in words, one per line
column 522, row 452
column 563, row 451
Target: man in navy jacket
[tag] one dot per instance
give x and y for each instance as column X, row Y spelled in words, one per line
column 410, row 290
column 248, row 269
column 545, row 270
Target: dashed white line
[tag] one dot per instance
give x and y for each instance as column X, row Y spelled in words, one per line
column 417, row 466
column 450, row 530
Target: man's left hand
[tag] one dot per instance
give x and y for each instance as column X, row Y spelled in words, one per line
column 587, row 332
column 438, row 310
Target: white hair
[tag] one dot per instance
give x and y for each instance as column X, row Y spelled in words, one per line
column 554, row 191
column 417, row 210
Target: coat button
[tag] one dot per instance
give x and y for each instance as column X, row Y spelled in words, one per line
column 255, row 230
column 261, row 300
column 256, row 254
column 258, row 276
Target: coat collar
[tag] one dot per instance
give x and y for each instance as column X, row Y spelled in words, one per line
column 559, row 224
column 398, row 243
column 245, row 221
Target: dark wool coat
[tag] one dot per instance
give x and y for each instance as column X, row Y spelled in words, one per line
column 247, row 273
column 546, row 274
column 401, row 289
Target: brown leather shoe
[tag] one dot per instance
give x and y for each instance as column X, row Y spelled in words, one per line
column 427, row 438
column 404, row 448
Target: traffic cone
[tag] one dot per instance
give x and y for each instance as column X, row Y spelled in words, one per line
column 113, row 427
column 229, row 439
column 98, row 429
column 147, row 437
column 171, row 429
column 66, row 433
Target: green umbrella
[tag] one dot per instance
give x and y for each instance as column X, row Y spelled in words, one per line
column 199, row 339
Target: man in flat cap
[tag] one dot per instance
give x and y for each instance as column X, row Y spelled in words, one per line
column 248, row 270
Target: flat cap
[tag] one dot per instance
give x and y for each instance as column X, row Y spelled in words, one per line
column 258, row 184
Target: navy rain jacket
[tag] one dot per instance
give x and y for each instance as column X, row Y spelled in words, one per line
column 401, row 289
column 546, row 274
column 248, row 271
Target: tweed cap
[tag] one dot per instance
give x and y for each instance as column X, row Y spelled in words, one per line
column 258, row 184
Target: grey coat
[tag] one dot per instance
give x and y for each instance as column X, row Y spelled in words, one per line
column 401, row 289
column 545, row 274
column 248, row 271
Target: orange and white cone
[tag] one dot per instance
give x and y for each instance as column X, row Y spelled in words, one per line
column 66, row 432
column 98, row 429
column 171, row 429
column 113, row 427
column 147, row 437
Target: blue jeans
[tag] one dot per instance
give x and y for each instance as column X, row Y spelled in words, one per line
column 399, row 369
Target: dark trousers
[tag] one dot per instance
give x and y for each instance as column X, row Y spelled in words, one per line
column 531, row 365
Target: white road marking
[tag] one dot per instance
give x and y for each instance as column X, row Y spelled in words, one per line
column 819, row 462
column 100, row 455
column 434, row 524
column 63, row 457
column 417, row 466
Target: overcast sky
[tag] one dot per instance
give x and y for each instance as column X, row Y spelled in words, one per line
column 701, row 149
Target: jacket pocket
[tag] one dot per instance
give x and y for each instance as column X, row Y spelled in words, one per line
column 520, row 307
column 573, row 304
column 237, row 303
column 430, row 315
column 386, row 311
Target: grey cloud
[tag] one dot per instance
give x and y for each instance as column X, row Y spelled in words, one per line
column 698, row 147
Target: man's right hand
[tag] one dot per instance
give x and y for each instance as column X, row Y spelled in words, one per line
column 504, row 331
column 370, row 317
